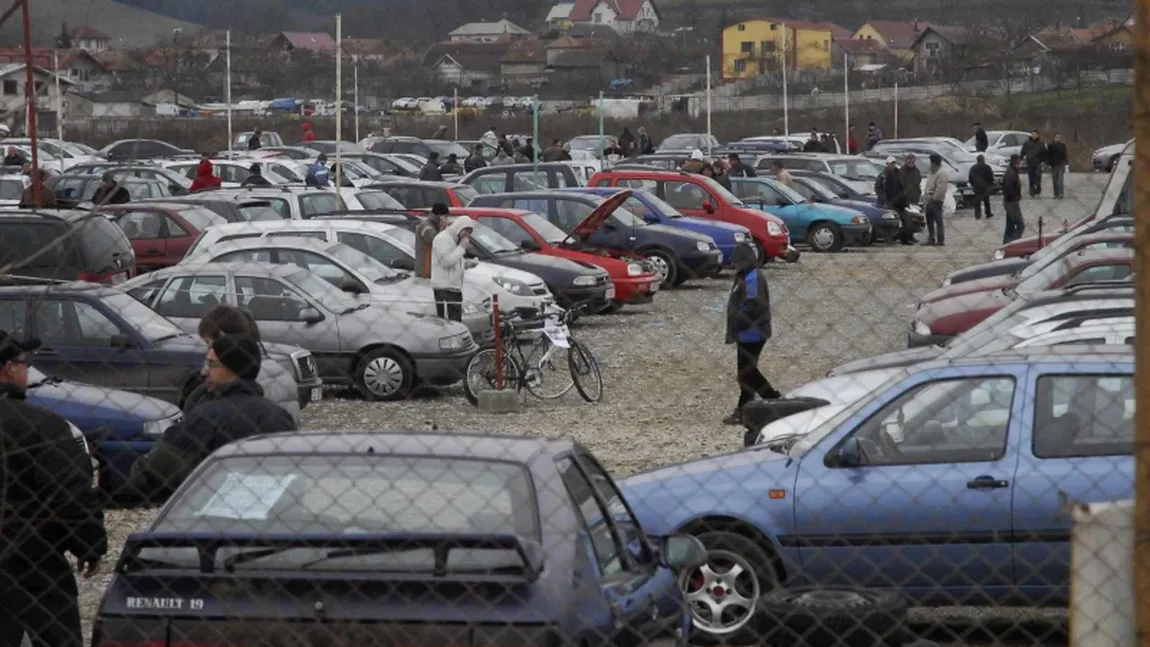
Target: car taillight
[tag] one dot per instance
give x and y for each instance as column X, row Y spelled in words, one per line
column 93, row 277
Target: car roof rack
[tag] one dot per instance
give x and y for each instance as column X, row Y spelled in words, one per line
column 1078, row 320
column 1109, row 284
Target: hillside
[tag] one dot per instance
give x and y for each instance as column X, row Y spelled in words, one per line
column 125, row 24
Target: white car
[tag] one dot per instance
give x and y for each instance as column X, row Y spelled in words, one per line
column 369, row 200
column 12, row 189
column 392, row 246
column 1001, row 142
column 68, row 154
column 292, row 202
column 232, row 172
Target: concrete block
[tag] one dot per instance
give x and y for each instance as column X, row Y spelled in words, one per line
column 506, row 401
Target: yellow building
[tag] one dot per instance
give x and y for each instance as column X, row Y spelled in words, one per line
column 1118, row 39
column 754, row 47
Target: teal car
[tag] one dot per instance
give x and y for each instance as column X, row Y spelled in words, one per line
column 826, row 228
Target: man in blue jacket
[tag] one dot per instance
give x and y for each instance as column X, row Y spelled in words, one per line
column 318, row 173
column 748, row 328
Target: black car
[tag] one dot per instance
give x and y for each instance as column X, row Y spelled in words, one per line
column 522, row 177
column 677, row 254
column 178, row 182
column 134, row 149
column 64, row 244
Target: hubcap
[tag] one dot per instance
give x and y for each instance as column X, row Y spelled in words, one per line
column 824, row 238
column 383, row 376
column 721, row 593
column 661, row 267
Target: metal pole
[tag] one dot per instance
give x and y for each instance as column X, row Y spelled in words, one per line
column 355, row 93
column 896, row 110
column 602, row 140
column 228, row 85
column 708, row 105
column 59, row 97
column 338, row 99
column 455, row 110
column 786, row 107
column 1142, row 323
column 535, row 138
column 847, row 103
column 30, row 96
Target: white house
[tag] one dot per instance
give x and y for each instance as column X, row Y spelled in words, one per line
column 13, row 79
column 624, row 16
column 560, row 15
column 487, row 32
column 90, row 39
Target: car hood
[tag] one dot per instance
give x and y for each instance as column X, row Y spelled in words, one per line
column 846, row 389
column 957, row 290
column 801, row 423
column 596, row 218
column 488, row 271
column 413, row 290
column 184, row 343
column 1113, row 149
column 544, row 264
column 836, row 213
column 992, row 269
column 90, row 407
column 395, row 326
column 667, row 231
column 896, row 359
column 967, row 309
column 868, row 209
column 1032, row 242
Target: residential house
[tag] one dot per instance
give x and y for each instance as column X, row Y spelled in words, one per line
column 560, row 16
column 487, row 32
column 755, row 47
column 123, row 104
column 1120, row 39
column 313, row 42
column 624, row 16
column 524, row 64
column 376, row 50
column 862, row 53
column 897, row 36
column 91, row 39
column 13, row 82
column 467, row 65
column 77, row 65
column 1049, row 44
column 939, row 48
column 583, row 70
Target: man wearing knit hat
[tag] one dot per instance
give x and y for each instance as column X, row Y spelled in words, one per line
column 237, row 409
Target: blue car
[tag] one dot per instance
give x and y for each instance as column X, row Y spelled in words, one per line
column 843, row 190
column 824, row 227
column 884, row 222
column 119, row 425
column 655, row 211
column 397, row 538
column 945, row 483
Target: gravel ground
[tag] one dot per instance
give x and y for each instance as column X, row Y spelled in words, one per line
column 668, row 375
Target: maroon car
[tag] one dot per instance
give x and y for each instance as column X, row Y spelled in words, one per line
column 936, row 322
column 161, row 233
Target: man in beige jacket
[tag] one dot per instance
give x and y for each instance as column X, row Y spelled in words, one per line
column 933, row 195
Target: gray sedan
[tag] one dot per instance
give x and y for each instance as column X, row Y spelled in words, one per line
column 383, row 353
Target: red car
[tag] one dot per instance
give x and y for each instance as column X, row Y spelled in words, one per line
column 161, row 233
column 936, row 322
column 419, row 195
column 635, row 281
column 696, row 195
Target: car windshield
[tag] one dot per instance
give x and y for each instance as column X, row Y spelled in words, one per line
column 404, row 164
column 550, row 233
column 11, row 189
column 797, row 196
column 377, row 200
column 842, row 189
column 465, row 194
column 344, row 494
column 445, row 148
column 326, row 294
column 147, row 321
column 682, row 142
column 201, row 218
column 371, row 269
column 404, row 238
column 589, row 142
column 854, row 169
column 653, row 203
column 257, row 211
column 492, row 241
column 720, row 190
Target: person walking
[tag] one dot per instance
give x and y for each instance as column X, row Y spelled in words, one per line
column 627, row 142
column 911, row 180
column 475, row 159
column 317, row 173
column 933, row 195
column 748, row 328
column 981, row 142
column 894, row 196
column 447, row 254
column 426, row 232
column 308, row 134
column 430, row 171
column 1012, row 201
column 254, row 142
column 528, row 150
column 451, row 166
column 110, row 191
column 645, row 145
column 738, row 167
column 236, row 409
column 981, row 178
column 205, row 179
column 1034, row 152
column 1056, row 158
column 873, row 135
column 255, row 177
column 49, row 509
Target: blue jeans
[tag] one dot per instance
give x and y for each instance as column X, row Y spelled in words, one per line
column 1058, row 179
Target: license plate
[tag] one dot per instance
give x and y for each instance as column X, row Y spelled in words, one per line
column 119, row 278
column 611, row 292
column 316, row 394
column 654, row 287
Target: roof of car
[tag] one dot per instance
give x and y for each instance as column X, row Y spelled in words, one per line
column 286, row 241
column 262, row 269
column 54, row 214
column 541, row 193
column 522, row 449
column 1052, row 354
column 73, row 287
column 393, row 180
column 489, row 211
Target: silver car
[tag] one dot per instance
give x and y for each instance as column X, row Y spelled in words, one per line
column 382, row 353
column 354, row 272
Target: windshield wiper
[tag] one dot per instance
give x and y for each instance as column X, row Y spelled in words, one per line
column 48, row 379
column 360, row 306
column 250, row 556
column 398, row 276
column 167, row 337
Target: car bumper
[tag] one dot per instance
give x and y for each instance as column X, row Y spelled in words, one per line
column 310, row 391
column 886, row 229
column 703, row 263
column 635, row 291
column 775, row 246
column 598, row 297
column 854, row 235
column 1100, row 163
column 443, row 368
column 917, row 340
column 481, row 327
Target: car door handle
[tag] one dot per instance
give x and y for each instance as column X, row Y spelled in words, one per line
column 987, row 483
column 151, row 252
column 45, row 352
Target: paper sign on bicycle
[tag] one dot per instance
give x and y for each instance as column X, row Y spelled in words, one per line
column 558, row 334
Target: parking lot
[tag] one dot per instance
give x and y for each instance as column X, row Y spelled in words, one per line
column 669, row 376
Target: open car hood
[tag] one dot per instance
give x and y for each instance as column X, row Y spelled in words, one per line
column 596, row 218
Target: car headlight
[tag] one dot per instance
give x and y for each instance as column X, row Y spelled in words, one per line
column 702, row 245
column 773, row 229
column 586, row 280
column 740, row 237
column 999, row 254
column 154, row 429
column 860, row 220
column 454, row 342
column 469, row 308
column 889, row 215
column 514, row 287
column 921, row 328
column 634, row 269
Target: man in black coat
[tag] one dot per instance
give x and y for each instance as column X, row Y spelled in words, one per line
column 981, row 178
column 236, row 410
column 475, row 159
column 1034, row 152
column 110, row 192
column 894, row 197
column 748, row 328
column 48, row 507
column 912, row 180
column 1012, row 201
column 1056, row 158
column 738, row 168
column 981, row 141
column 430, row 170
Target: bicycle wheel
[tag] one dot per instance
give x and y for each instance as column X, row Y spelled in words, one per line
column 548, row 373
column 481, row 375
column 585, row 372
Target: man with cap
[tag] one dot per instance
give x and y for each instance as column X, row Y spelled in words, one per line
column 255, row 177
column 933, row 196
column 236, row 409
column 894, row 197
column 447, row 257
column 425, row 233
column 110, row 191
column 318, row 173
column 696, row 162
column 49, row 508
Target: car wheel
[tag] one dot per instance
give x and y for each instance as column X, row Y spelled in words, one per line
column 384, row 374
column 825, row 237
column 867, row 239
column 845, row 616
column 611, row 309
column 723, row 594
column 761, row 252
column 665, row 267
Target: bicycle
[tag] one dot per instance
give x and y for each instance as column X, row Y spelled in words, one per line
column 533, row 368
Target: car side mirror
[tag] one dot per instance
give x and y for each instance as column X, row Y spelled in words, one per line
column 530, row 245
column 682, row 552
column 847, row 455
column 402, row 264
column 311, row 315
column 651, row 218
column 350, row 285
column 122, row 342
column 708, row 206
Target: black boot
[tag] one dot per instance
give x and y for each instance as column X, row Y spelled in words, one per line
column 734, row 418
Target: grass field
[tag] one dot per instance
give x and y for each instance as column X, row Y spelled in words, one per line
column 124, row 24
column 1087, row 99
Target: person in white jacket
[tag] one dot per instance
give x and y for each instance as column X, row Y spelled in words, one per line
column 447, row 252
column 933, row 196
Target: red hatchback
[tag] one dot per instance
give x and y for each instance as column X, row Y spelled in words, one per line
column 702, row 197
column 161, row 233
column 936, row 322
column 635, row 282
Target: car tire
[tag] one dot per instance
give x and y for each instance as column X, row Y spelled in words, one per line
column 384, row 375
column 725, row 549
column 761, row 252
column 839, row 616
column 611, row 309
column 867, row 239
column 667, row 261
column 825, row 237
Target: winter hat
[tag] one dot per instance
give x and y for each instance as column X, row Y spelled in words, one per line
column 891, row 160
column 239, row 354
column 697, row 155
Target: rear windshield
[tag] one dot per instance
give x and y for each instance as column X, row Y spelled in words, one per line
column 19, row 240
column 377, row 200
column 11, row 189
column 257, row 211
column 101, row 243
column 465, row 194
column 201, row 217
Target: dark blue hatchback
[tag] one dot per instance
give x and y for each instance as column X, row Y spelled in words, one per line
column 678, row 254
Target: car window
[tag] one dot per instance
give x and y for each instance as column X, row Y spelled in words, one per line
column 684, row 195
column 192, row 296
column 317, row 204
column 142, row 225
column 490, row 183
column 534, row 205
column 377, row 248
column 760, row 192
column 508, row 228
column 1084, row 415
column 17, row 239
column 609, row 552
column 630, row 532
column 145, row 293
column 636, row 183
column 269, row 300
column 73, row 323
column 431, row 196
column 377, row 200
column 230, row 173
column 201, row 218
column 12, row 316
column 246, row 256
column 312, row 262
column 945, row 421
column 405, row 196
column 1100, row 273
column 569, row 213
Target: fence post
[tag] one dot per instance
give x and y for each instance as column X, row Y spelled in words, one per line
column 1142, row 321
column 498, row 342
